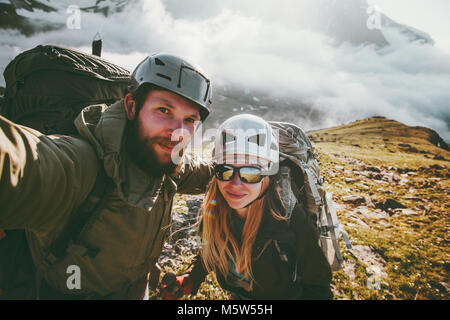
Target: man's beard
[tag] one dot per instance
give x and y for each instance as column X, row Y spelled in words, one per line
column 142, row 152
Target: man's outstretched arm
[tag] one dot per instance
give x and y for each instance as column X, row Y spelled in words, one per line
column 195, row 175
column 42, row 178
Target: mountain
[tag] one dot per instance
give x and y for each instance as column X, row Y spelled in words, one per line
column 392, row 135
column 356, row 22
column 107, row 7
column 230, row 100
column 32, row 16
column 11, row 19
column 344, row 21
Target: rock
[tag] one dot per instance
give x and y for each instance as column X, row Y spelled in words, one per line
column 351, row 180
column 385, row 191
column 375, row 176
column 194, row 205
column 439, row 157
column 359, row 222
column 437, row 167
column 445, row 286
column 392, row 204
column 354, row 199
column 182, row 241
column 404, row 170
column 408, row 148
column 349, row 267
column 412, row 198
column 339, row 207
column 391, row 177
column 405, row 211
column 374, row 261
column 369, row 202
column 363, row 186
column 363, row 210
column 427, row 184
column 369, row 214
column 372, row 168
column 331, row 173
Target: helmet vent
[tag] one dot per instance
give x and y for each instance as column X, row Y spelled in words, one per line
column 159, row 62
column 259, row 139
column 227, row 137
column 164, row 76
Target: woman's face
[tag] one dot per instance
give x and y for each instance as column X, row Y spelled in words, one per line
column 237, row 193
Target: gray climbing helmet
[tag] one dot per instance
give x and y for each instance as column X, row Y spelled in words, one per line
column 175, row 74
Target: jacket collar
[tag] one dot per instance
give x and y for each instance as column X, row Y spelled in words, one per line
column 105, row 128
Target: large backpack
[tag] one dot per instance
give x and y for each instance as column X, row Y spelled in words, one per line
column 46, row 88
column 300, row 182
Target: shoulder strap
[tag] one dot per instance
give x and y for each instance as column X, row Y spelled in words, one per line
column 65, row 242
column 287, row 194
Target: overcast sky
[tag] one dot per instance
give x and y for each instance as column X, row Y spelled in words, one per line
column 262, row 45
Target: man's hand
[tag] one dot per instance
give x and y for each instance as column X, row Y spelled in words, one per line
column 173, row 287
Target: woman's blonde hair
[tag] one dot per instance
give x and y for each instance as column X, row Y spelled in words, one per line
column 219, row 245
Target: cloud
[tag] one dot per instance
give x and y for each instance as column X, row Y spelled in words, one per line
column 265, row 48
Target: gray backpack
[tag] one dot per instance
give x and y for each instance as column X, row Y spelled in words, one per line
column 300, row 182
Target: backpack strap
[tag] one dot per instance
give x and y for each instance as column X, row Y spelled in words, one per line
column 65, row 242
column 331, row 216
column 312, row 183
column 293, row 262
column 287, row 194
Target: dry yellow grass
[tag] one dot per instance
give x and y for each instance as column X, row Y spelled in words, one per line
column 415, row 246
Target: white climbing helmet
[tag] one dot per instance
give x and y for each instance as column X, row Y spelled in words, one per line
column 246, row 138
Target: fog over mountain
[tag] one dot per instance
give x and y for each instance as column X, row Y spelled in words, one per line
column 317, row 62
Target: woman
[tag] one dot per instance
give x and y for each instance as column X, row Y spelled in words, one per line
column 255, row 252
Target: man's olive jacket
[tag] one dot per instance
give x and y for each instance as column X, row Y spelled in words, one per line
column 44, row 179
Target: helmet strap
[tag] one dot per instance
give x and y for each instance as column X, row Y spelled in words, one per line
column 262, row 195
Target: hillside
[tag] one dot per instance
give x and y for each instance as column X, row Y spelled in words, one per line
column 390, row 183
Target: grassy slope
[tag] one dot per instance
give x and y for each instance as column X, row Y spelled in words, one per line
column 414, row 246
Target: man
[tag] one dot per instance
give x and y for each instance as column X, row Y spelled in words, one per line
column 45, row 180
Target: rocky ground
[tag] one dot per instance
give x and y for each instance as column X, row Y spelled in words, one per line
column 390, row 184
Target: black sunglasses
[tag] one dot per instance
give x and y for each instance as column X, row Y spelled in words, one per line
column 225, row 172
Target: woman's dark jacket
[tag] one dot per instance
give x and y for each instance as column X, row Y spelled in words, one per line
column 273, row 269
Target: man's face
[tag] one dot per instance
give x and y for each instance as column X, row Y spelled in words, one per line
column 156, row 130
